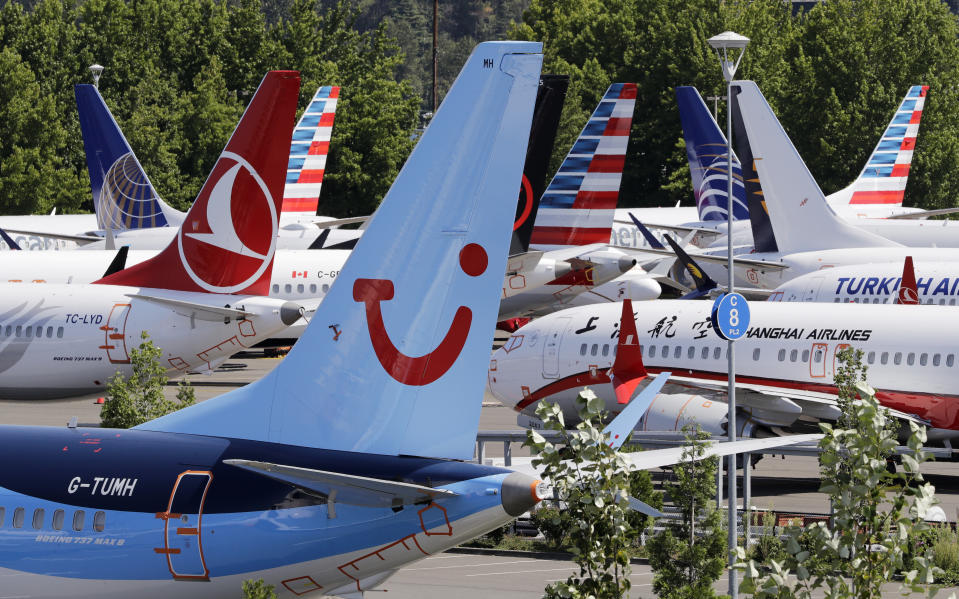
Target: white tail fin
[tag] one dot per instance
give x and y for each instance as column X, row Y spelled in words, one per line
column 394, row 360
column 800, row 217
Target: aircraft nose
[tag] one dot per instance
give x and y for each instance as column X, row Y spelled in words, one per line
column 290, row 312
column 519, row 493
column 625, row 263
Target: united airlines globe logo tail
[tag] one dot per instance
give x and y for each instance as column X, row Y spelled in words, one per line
column 126, row 199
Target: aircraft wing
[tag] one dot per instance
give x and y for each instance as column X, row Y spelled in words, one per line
column 203, row 311
column 345, row 488
column 706, row 257
column 923, row 215
column 331, row 223
column 64, row 236
column 656, row 458
column 681, row 229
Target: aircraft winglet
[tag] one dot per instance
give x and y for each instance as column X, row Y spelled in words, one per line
column 650, row 238
column 13, row 245
column 908, row 291
column 704, row 283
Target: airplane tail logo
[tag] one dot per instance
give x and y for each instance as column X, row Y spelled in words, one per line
column 123, row 197
column 578, row 206
column 227, row 241
column 308, row 152
column 706, row 152
column 883, row 179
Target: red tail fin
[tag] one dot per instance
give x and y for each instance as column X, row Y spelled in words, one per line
column 628, row 369
column 227, row 241
column 908, row 290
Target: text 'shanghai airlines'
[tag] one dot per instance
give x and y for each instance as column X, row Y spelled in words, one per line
column 342, row 464
column 876, row 193
column 201, row 299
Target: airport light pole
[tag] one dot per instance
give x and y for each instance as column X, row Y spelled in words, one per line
column 730, row 48
column 96, row 70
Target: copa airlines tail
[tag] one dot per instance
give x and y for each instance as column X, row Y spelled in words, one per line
column 245, row 186
column 883, row 179
column 123, row 197
column 580, row 202
column 794, row 201
column 706, row 152
column 308, row 152
column 392, row 362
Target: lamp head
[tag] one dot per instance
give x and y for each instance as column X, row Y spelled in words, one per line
column 726, row 45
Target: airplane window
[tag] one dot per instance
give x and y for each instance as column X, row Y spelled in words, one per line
column 299, row 288
column 717, row 352
column 911, row 359
column 782, row 355
column 935, row 359
column 942, row 302
column 678, row 352
column 923, row 358
column 78, row 517
column 29, row 332
column 605, row 350
column 19, row 330
column 665, row 352
column 582, row 349
column 929, row 301
column 805, row 355
column 9, row 328
column 99, row 521
column 276, row 288
column 885, row 300
column 49, row 332
column 756, row 354
column 18, row 518
column 952, row 301
column 593, row 350
column 312, row 287
column 38, row 518
column 897, row 358
column 950, row 360
column 3, row 515
column 871, row 357
column 59, row 332
column 793, row 355
column 325, row 288
column 58, row 520
column 818, row 357
column 884, row 358
column 836, row 300
column 691, row 353
column 288, row 288
column 705, row 353
column 652, row 351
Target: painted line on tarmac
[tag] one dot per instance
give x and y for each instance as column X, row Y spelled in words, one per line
column 520, row 572
column 521, row 561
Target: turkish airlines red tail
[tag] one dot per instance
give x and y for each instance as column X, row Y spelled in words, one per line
column 908, row 290
column 227, row 241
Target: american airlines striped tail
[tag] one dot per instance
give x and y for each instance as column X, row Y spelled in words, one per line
column 706, row 151
column 883, row 179
column 308, row 152
column 579, row 203
column 123, row 197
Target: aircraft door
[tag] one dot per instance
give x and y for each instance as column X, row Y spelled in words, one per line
column 811, row 292
column 182, row 524
column 114, row 332
column 551, row 348
column 835, row 355
column 817, row 360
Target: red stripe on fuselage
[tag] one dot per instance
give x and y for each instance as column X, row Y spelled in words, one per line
column 942, row 411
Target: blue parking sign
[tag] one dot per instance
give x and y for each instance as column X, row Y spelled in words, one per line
column 730, row 316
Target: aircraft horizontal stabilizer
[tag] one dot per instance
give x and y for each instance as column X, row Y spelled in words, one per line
column 332, row 223
column 208, row 312
column 706, row 258
column 625, row 422
column 644, row 508
column 657, row 458
column 345, row 488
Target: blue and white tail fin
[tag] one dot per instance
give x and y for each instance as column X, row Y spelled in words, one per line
column 800, row 217
column 580, row 202
column 706, row 150
column 884, row 177
column 308, row 152
column 395, row 358
column 123, row 197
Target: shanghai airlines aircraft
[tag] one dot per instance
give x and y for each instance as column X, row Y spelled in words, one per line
column 198, row 299
column 344, row 463
column 784, row 365
column 876, row 193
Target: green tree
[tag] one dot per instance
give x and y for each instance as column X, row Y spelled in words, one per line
column 690, row 555
column 257, row 589
column 140, row 398
column 875, row 511
column 591, row 480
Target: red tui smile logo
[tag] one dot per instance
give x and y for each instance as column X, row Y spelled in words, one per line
column 425, row 369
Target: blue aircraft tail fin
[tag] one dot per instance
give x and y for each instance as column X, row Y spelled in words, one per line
column 706, row 149
column 123, row 197
column 395, row 358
